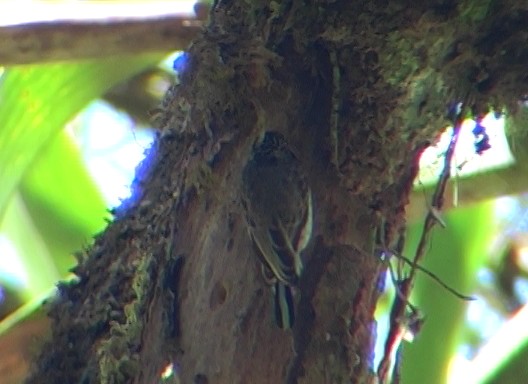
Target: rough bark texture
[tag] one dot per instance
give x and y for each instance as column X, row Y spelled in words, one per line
column 358, row 88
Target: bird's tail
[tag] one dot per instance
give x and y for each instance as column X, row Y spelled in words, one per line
column 284, row 305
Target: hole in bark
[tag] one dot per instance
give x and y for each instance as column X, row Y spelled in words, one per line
column 230, row 244
column 218, row 296
column 200, row 378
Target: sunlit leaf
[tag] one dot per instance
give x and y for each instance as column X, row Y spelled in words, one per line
column 65, row 205
column 39, row 273
column 456, row 254
column 37, row 100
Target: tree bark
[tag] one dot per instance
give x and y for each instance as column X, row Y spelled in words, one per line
column 359, row 89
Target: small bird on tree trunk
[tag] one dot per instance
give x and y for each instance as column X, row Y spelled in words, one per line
column 278, row 204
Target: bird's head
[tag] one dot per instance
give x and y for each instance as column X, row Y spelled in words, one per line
column 272, row 146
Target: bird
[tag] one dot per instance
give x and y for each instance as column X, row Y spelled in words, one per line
column 278, row 204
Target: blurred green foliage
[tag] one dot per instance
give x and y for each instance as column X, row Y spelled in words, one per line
column 49, row 204
column 455, row 255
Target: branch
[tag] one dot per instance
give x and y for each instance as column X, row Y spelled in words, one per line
column 491, row 184
column 87, row 39
column 405, row 285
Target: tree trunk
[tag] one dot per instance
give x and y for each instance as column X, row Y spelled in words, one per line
column 359, row 89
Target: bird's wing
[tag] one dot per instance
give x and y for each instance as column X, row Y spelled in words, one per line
column 298, row 232
column 303, row 232
column 276, row 250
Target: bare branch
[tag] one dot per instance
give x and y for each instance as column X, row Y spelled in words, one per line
column 405, row 285
column 474, row 188
column 75, row 40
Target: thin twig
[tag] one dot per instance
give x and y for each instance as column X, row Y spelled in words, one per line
column 435, row 278
column 404, row 286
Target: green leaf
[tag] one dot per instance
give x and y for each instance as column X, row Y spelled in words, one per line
column 456, row 254
column 37, row 100
column 65, row 205
column 32, row 252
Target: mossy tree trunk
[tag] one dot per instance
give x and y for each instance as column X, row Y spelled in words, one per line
column 359, row 89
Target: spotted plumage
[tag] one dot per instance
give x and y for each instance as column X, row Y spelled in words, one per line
column 278, row 204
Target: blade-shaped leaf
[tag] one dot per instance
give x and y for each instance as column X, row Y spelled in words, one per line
column 65, row 204
column 37, row 100
column 456, row 254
